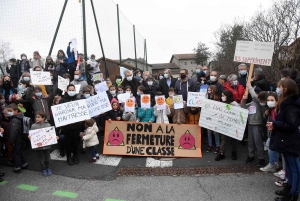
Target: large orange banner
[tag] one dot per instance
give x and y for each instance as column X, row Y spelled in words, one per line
column 152, row 139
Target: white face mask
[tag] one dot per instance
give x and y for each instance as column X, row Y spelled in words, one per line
column 129, row 78
column 262, row 104
column 223, row 98
column 129, row 92
column 150, row 83
column 271, row 104
column 282, row 78
column 23, row 57
column 161, row 77
column 118, row 80
column 76, row 77
column 171, row 95
column 234, row 83
column 112, row 92
column 212, row 78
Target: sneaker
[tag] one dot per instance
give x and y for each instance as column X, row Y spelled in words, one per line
column 24, row 166
column 209, row 149
column 17, row 170
column 49, row 172
column 249, row 160
column 261, row 163
column 233, row 155
column 268, row 168
column 281, row 183
column 97, row 157
column 44, row 173
column 217, row 150
column 220, row 156
column 280, row 174
column 93, row 160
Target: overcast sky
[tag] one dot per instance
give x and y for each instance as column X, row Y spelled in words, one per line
column 170, row 27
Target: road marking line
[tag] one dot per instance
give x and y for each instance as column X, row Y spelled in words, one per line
column 152, row 163
column 27, row 187
column 65, row 194
column 3, row 183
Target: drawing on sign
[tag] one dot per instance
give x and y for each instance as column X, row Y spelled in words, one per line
column 187, row 141
column 115, row 138
column 42, row 137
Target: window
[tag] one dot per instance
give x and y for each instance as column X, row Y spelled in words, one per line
column 185, row 63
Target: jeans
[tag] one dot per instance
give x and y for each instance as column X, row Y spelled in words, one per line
column 93, row 151
column 293, row 172
column 18, row 156
column 216, row 135
column 273, row 155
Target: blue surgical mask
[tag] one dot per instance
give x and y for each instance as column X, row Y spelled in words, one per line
column 87, row 95
column 38, row 94
column 278, row 91
column 138, row 93
column 243, row 72
column 51, row 77
column 26, row 79
column 71, row 93
column 198, row 71
column 20, row 88
column 204, row 72
column 166, row 75
column 10, row 114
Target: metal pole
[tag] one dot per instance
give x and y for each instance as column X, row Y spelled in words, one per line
column 120, row 54
column 144, row 54
column 136, row 67
column 84, row 33
column 96, row 22
column 57, row 27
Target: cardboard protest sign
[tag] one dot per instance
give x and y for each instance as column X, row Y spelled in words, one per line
column 101, row 87
column 77, row 88
column 40, row 78
column 178, row 102
column 253, row 52
column 42, row 137
column 152, row 139
column 62, row 83
column 130, row 105
column 98, row 104
column 194, row 99
column 71, row 112
column 98, row 76
column 122, row 98
column 224, row 118
column 160, row 103
column 145, row 101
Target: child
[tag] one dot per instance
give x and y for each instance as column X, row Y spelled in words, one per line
column 161, row 115
column 129, row 116
column 212, row 94
column 112, row 93
column 120, row 89
column 255, row 121
column 16, row 132
column 169, row 102
column 90, row 138
column 271, row 116
column 115, row 114
column 227, row 97
column 144, row 114
column 42, row 152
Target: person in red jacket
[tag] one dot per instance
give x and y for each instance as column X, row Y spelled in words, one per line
column 233, row 85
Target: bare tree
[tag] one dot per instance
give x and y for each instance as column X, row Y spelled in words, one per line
column 5, row 50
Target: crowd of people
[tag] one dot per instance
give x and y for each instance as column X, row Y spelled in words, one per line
column 273, row 120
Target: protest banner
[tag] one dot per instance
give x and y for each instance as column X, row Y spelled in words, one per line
column 70, row 112
column 98, row 76
column 129, row 105
column 62, row 83
column 122, row 98
column 42, row 137
column 178, row 102
column 160, row 102
column 101, row 87
column 194, row 99
column 40, row 78
column 152, row 139
column 98, row 104
column 145, row 101
column 224, row 118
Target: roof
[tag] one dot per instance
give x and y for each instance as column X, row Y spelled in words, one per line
column 117, row 62
column 140, row 60
column 183, row 56
column 165, row 66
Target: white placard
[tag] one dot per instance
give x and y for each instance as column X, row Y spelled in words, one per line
column 42, row 137
column 195, row 99
column 122, row 69
column 62, row 83
column 77, row 88
column 224, row 118
column 253, row 52
column 40, row 78
column 123, row 97
column 160, row 102
column 98, row 104
column 98, row 76
column 129, row 105
column 101, row 87
column 71, row 112
column 74, row 45
column 178, row 101
column 145, row 101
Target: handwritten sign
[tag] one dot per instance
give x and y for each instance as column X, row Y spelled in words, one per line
column 253, row 52
column 178, row 102
column 194, row 99
column 101, row 87
column 224, row 118
column 62, row 83
column 145, row 101
column 71, row 112
column 123, row 97
column 98, row 76
column 98, row 104
column 42, row 137
column 40, row 78
column 160, row 103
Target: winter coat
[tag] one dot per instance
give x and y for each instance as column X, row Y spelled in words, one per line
column 82, row 85
column 26, row 66
column 39, row 126
column 5, row 124
column 36, row 62
column 70, row 54
column 61, row 68
column 164, row 87
column 242, row 79
column 90, row 138
column 152, row 91
column 179, row 115
column 263, row 84
column 129, row 117
column 16, row 130
column 146, row 115
column 182, row 88
column 193, row 117
column 285, row 136
column 15, row 71
column 133, row 84
column 237, row 92
column 113, row 114
column 162, row 115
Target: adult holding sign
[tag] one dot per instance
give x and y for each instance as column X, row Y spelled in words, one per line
column 43, row 152
column 71, row 131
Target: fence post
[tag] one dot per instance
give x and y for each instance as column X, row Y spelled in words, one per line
column 136, row 67
column 119, row 36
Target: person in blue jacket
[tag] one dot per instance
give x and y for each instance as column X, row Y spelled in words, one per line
column 144, row 114
column 71, row 61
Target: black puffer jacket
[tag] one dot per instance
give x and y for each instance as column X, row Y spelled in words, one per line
column 16, row 129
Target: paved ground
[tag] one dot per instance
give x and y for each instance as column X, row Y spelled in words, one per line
column 30, row 185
